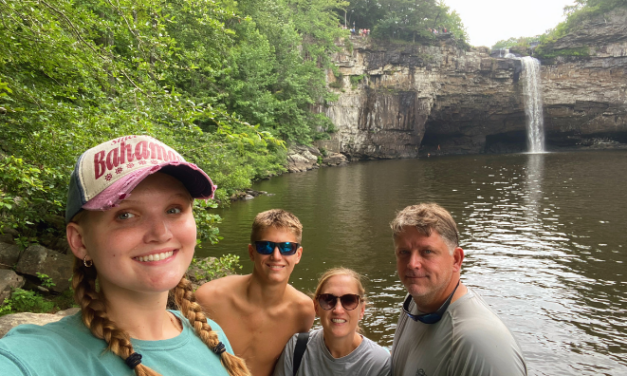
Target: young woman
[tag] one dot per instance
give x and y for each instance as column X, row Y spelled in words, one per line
column 337, row 348
column 131, row 228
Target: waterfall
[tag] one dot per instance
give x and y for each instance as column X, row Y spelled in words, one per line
column 533, row 104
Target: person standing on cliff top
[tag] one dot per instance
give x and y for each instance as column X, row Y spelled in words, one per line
column 445, row 328
column 260, row 312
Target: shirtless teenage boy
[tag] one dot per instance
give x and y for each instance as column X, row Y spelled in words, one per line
column 260, row 312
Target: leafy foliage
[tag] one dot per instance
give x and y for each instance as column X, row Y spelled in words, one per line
column 518, row 43
column 46, row 280
column 26, row 301
column 404, row 19
column 226, row 84
column 208, row 269
column 196, row 74
column 576, row 16
column 276, row 73
column 355, row 80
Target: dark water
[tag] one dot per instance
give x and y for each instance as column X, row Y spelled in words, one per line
column 544, row 237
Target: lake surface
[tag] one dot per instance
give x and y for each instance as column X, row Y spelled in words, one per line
column 544, row 238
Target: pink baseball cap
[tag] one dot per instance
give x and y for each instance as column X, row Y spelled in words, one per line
column 106, row 174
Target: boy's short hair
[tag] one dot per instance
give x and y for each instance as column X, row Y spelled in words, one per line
column 277, row 218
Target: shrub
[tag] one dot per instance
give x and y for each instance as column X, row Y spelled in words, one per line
column 26, row 301
column 208, row 269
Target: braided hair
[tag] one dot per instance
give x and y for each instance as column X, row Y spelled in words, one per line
column 95, row 317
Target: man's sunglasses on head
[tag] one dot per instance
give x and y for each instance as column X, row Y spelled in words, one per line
column 267, row 248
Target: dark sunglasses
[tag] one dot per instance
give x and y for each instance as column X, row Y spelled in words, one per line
column 429, row 318
column 266, row 248
column 348, row 301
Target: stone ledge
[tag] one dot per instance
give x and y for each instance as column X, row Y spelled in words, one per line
column 8, row 322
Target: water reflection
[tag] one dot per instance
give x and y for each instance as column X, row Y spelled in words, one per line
column 543, row 235
column 533, row 187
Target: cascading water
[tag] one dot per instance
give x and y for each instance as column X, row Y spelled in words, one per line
column 533, row 104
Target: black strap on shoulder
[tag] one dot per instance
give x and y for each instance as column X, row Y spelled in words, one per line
column 299, row 350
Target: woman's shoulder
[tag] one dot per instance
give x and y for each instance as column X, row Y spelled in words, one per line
column 377, row 356
column 374, row 348
column 291, row 343
column 374, row 345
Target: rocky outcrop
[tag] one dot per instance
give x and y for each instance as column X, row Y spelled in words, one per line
column 398, row 101
column 334, row 160
column 9, row 281
column 304, row 158
column 605, row 35
column 585, row 95
column 8, row 322
column 9, row 254
column 248, row 194
column 57, row 266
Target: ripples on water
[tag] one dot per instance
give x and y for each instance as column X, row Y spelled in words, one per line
column 543, row 235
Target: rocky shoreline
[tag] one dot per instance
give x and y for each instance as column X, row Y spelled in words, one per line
column 304, row 158
column 300, row 158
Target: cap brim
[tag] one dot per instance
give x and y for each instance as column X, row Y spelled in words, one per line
column 193, row 178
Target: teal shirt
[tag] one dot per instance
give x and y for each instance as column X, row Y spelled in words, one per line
column 67, row 347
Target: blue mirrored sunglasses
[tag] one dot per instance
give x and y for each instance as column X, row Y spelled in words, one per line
column 266, row 248
column 429, row 318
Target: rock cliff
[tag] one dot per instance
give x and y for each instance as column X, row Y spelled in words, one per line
column 585, row 97
column 406, row 100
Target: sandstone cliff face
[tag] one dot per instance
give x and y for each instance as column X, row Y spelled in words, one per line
column 399, row 101
column 585, row 98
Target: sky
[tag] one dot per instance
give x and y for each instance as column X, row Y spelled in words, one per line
column 488, row 21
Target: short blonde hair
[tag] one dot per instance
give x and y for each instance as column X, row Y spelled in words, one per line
column 277, row 218
column 427, row 217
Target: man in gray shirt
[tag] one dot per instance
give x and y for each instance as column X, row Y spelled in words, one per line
column 445, row 328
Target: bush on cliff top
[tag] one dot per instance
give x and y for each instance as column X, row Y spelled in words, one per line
column 576, row 16
column 408, row 20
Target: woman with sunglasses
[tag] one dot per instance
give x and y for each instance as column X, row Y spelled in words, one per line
column 338, row 348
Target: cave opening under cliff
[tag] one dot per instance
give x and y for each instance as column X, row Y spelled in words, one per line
column 507, row 142
column 432, row 142
column 458, row 143
column 572, row 139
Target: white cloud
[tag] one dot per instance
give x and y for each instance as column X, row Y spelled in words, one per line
column 488, row 21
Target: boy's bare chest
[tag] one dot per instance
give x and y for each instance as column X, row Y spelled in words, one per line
column 259, row 338
column 262, row 328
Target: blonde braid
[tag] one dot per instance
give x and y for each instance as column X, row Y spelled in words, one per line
column 186, row 302
column 94, row 313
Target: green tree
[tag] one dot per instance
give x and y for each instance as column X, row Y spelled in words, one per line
column 276, row 73
column 404, row 19
column 76, row 73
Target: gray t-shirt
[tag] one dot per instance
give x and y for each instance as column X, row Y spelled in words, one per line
column 469, row 340
column 368, row 359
